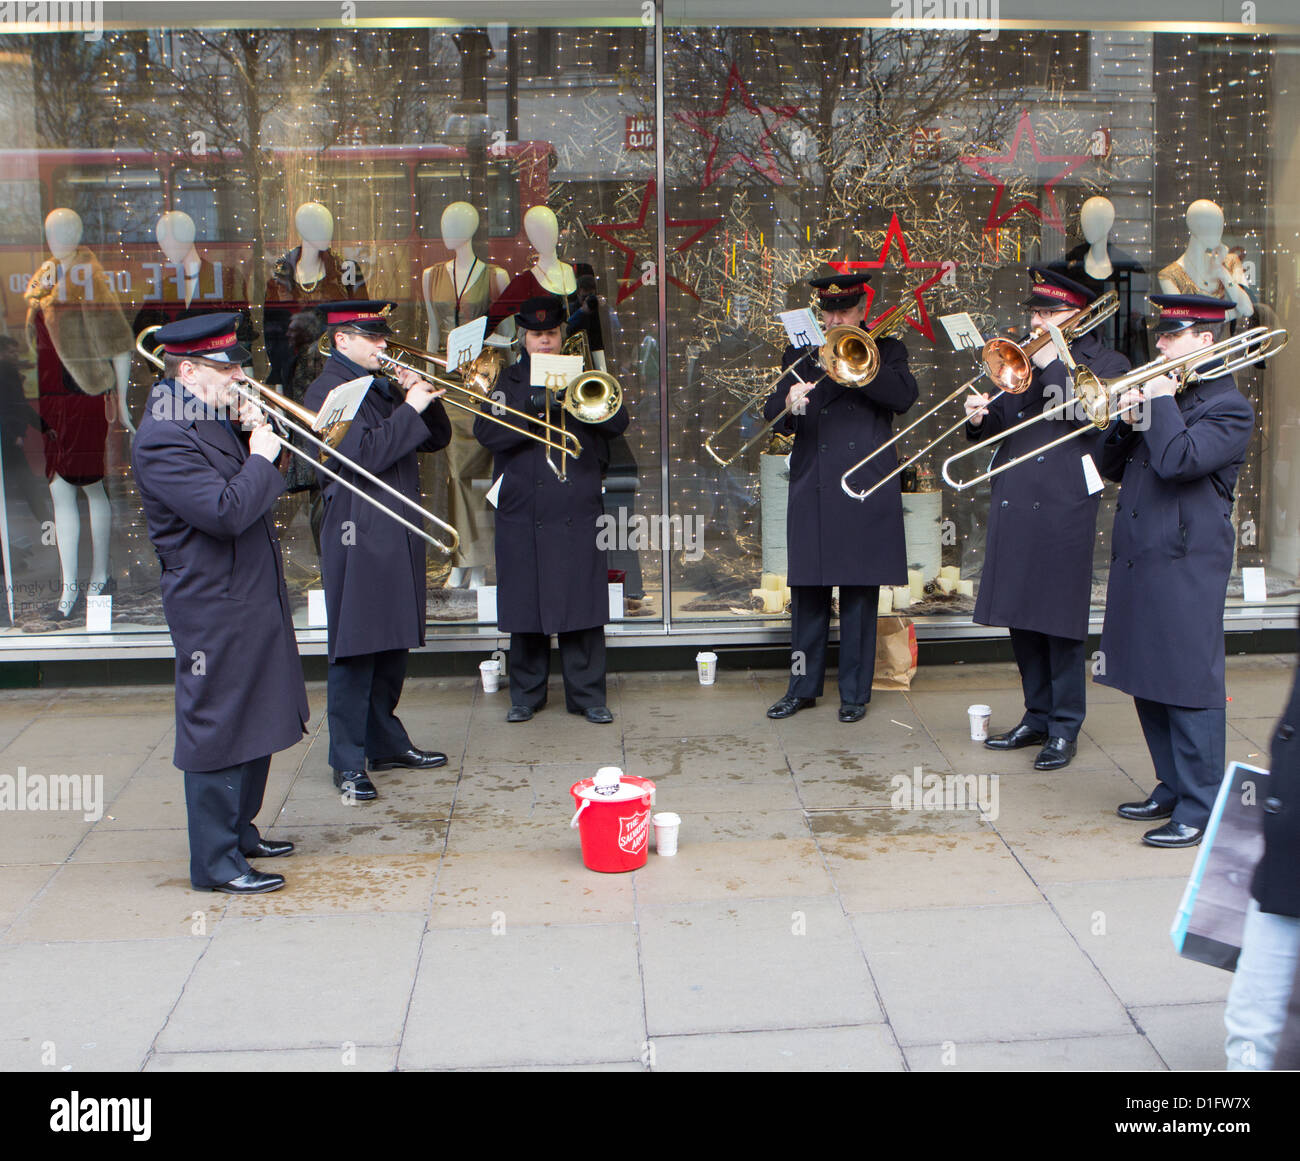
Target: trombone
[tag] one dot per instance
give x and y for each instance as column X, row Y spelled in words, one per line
column 479, row 376
column 590, row 397
column 1007, row 364
column 849, row 356
column 1096, row 396
column 262, row 396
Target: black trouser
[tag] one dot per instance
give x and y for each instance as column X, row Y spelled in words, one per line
column 1189, row 749
column 1053, row 678
column 810, row 615
column 582, row 661
column 220, row 806
column 363, row 692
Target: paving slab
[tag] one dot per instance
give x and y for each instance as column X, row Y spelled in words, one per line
column 526, row 997
column 80, row 1006
column 864, row 1048
column 1123, row 926
column 764, row 869
column 298, row 982
column 962, row 974
column 353, row 1058
column 116, row 901
column 1187, row 1036
column 1124, row 1052
column 749, row 965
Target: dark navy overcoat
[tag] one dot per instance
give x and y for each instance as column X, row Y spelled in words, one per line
column 207, row 505
column 1042, row 524
column 1171, row 551
column 552, row 574
column 373, row 569
column 831, row 538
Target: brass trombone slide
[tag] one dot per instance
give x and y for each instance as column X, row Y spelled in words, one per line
column 1096, row 395
column 482, row 372
column 849, row 356
column 1007, row 364
column 264, row 397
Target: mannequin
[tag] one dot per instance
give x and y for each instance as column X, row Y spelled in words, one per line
column 456, row 292
column 1206, row 266
column 1096, row 217
column 548, row 275
column 186, row 283
column 83, row 346
column 310, row 273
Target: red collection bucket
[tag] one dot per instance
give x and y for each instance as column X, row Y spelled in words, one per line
column 615, row 831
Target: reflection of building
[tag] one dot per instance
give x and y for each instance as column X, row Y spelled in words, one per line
column 782, row 148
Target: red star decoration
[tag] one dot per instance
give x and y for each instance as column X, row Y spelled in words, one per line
column 713, row 171
column 1070, row 162
column 627, row 285
column 895, row 233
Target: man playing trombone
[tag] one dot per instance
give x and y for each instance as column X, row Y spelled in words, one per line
column 1162, row 641
column 239, row 690
column 372, row 569
column 833, row 539
column 1042, row 527
column 552, row 577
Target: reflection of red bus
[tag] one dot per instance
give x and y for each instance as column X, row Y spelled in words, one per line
column 396, row 195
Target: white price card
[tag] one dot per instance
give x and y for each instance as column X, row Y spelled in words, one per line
column 616, row 602
column 802, row 328
column 963, row 332
column 317, row 618
column 465, row 342
column 487, row 604
column 1254, row 588
column 99, row 613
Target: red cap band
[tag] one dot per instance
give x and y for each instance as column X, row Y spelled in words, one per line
column 336, row 318
column 1047, row 290
column 198, row 346
column 1195, row 313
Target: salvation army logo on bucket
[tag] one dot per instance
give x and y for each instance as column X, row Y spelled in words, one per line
column 634, row 832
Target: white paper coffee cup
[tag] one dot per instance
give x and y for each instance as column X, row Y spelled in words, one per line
column 706, row 664
column 979, row 722
column 490, row 672
column 666, row 825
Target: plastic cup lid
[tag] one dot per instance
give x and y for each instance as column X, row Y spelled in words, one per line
column 666, row 818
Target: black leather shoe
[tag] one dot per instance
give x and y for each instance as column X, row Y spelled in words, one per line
column 411, row 760
column 355, row 784
column 268, row 849
column 1148, row 811
column 789, row 705
column 519, row 713
column 1056, row 754
column 598, row 715
column 1015, row 739
column 852, row 713
column 249, row 883
column 1173, row 834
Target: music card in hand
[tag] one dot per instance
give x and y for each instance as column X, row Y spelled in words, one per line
column 553, row 371
column 465, row 342
column 802, row 327
column 342, row 403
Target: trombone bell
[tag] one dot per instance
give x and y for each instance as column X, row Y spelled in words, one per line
column 593, row 397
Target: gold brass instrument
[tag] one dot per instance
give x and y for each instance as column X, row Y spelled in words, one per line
column 301, row 424
column 478, row 378
column 1096, row 397
column 849, row 356
column 590, row 397
column 1007, row 364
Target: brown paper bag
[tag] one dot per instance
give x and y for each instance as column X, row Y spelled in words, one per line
column 895, row 653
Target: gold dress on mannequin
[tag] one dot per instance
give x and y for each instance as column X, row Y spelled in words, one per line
column 467, row 459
